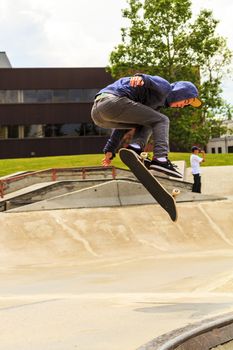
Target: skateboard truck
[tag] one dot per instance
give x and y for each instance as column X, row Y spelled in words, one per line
column 143, row 155
column 175, row 192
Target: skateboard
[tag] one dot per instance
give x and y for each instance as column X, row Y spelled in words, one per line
column 153, row 186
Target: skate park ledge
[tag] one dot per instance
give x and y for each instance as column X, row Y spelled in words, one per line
column 215, row 333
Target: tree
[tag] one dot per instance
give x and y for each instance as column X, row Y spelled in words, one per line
column 162, row 39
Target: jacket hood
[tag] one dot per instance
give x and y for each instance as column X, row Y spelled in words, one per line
column 182, row 90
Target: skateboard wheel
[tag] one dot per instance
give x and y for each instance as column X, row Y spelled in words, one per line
column 144, row 155
column 175, row 192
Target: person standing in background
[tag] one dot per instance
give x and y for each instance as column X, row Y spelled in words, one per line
column 195, row 161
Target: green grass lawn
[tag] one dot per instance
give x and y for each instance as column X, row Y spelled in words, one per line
column 9, row 166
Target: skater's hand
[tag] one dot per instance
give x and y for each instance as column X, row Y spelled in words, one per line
column 107, row 159
column 136, row 81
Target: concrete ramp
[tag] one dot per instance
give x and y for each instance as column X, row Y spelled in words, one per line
column 100, row 278
column 116, row 277
column 97, row 233
column 108, row 194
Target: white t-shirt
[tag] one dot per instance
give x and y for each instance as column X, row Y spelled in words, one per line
column 195, row 163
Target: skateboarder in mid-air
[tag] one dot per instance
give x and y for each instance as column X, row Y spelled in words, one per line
column 134, row 102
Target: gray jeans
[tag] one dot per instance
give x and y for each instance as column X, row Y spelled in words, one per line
column 122, row 113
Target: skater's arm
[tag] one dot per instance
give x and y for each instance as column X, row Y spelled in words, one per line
column 112, row 145
column 106, row 161
column 114, row 140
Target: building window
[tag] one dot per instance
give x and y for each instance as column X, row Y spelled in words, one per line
column 52, row 130
column 230, row 149
column 74, row 130
column 82, row 95
column 3, row 132
column 9, row 96
column 13, row 132
column 212, row 150
column 37, row 96
column 48, row 96
column 31, row 131
column 219, row 149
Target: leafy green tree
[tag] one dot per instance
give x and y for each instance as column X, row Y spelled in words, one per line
column 163, row 39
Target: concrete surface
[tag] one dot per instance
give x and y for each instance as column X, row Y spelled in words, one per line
column 113, row 278
column 215, row 180
column 31, row 189
column 227, row 346
column 207, row 334
column 108, row 194
column 19, row 181
column 90, row 193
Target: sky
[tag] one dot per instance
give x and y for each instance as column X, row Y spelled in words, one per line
column 80, row 33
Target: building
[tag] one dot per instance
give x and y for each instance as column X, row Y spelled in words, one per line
column 47, row 111
column 224, row 143
column 4, row 61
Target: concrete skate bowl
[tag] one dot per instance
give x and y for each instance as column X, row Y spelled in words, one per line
column 130, row 274
column 97, row 234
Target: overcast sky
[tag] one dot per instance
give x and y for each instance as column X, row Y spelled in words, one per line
column 79, row 33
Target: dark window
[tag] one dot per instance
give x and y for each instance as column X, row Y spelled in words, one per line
column 82, row 95
column 33, row 131
column 52, row 130
column 13, row 131
column 213, row 150
column 70, row 129
column 219, row 149
column 47, row 95
column 230, row 149
column 62, row 95
column 9, row 96
column 2, row 132
column 55, row 130
column 32, row 96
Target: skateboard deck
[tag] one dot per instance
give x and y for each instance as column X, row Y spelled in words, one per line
column 153, row 186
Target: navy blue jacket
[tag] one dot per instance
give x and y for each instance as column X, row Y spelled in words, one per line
column 155, row 93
